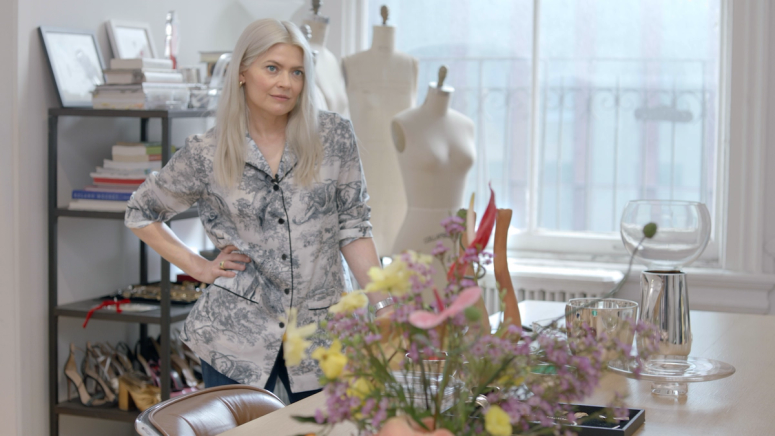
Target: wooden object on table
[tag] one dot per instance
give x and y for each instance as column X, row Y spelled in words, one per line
column 501, row 266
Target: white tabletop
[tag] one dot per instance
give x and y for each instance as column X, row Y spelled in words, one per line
column 743, row 404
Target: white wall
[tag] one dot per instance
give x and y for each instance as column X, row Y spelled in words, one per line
column 9, row 340
column 95, row 256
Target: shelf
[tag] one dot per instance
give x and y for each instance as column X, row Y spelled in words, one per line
column 75, row 408
column 134, row 113
column 191, row 213
column 79, row 309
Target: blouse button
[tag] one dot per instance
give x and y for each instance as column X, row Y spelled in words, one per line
column 281, row 221
column 284, row 256
column 287, row 291
column 276, row 188
column 282, row 324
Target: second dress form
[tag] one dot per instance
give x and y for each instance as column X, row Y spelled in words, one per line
column 381, row 82
column 328, row 74
column 436, row 149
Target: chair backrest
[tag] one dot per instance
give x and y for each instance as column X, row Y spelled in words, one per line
column 210, row 411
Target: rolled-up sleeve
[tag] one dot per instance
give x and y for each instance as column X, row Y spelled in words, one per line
column 168, row 192
column 354, row 213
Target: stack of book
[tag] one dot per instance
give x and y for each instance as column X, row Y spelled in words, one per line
column 116, row 180
column 143, row 83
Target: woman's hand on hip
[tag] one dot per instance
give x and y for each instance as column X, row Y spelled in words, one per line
column 225, row 265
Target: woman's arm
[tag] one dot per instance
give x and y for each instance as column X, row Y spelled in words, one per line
column 161, row 238
column 361, row 255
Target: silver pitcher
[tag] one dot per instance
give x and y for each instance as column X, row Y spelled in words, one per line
column 665, row 303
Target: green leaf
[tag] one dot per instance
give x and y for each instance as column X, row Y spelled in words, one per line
column 305, row 419
column 472, row 314
column 649, row 230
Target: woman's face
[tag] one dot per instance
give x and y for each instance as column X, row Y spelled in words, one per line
column 274, row 81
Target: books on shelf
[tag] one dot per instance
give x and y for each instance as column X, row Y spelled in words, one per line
column 82, row 194
column 116, row 180
column 109, row 189
column 119, row 165
column 146, row 95
column 137, row 148
column 140, row 75
column 97, row 205
column 136, row 63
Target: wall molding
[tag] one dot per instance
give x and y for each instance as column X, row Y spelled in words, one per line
column 709, row 289
column 744, row 112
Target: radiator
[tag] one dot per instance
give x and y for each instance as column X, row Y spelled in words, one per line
column 550, row 284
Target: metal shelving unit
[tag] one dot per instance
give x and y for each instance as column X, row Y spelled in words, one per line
column 164, row 316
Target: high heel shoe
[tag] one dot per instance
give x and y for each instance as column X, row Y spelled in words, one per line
column 181, row 366
column 75, row 379
column 123, row 350
column 88, row 367
column 119, row 359
column 137, row 390
column 101, row 365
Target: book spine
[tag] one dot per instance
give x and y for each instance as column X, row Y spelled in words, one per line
column 93, row 195
column 114, row 181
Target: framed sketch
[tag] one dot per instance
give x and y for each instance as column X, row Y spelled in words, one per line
column 76, row 64
column 131, row 40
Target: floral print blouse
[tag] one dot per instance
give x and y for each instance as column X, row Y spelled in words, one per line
column 292, row 234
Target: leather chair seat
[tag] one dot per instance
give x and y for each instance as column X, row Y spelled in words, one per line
column 209, row 412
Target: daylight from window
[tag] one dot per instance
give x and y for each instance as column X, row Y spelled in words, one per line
column 623, row 106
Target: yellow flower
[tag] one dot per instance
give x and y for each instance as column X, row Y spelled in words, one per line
column 360, row 388
column 497, row 422
column 349, row 302
column 295, row 341
column 332, row 361
column 393, row 279
column 419, row 257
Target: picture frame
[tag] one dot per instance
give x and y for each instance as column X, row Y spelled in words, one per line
column 131, row 39
column 76, row 63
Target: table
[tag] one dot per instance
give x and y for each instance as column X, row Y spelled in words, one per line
column 742, row 404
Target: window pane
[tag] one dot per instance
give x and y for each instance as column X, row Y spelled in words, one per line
column 487, row 46
column 628, row 107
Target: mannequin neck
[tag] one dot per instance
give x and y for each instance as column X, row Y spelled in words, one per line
column 437, row 100
column 384, row 38
column 319, row 32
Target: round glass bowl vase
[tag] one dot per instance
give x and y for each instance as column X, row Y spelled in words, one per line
column 683, row 232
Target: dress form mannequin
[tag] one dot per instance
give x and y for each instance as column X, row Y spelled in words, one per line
column 328, row 74
column 381, row 82
column 320, row 99
column 436, row 150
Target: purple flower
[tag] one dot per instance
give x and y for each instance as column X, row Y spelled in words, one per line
column 439, row 249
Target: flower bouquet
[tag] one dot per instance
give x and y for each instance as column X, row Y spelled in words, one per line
column 438, row 366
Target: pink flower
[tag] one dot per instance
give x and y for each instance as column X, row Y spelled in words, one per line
column 427, row 320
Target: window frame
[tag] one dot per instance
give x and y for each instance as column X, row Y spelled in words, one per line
column 736, row 240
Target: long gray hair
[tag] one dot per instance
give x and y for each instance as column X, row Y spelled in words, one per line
column 301, row 132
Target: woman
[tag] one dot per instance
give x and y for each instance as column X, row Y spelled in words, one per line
column 281, row 193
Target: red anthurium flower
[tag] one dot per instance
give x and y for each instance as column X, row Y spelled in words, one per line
column 427, row 320
column 483, row 232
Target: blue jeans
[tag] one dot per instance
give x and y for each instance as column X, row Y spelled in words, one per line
column 214, row 378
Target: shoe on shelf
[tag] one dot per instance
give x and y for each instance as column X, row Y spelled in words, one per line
column 75, row 380
column 91, row 369
column 126, row 354
column 119, row 360
column 181, row 366
column 137, row 390
column 97, row 361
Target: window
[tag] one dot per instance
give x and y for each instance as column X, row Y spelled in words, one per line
column 580, row 106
